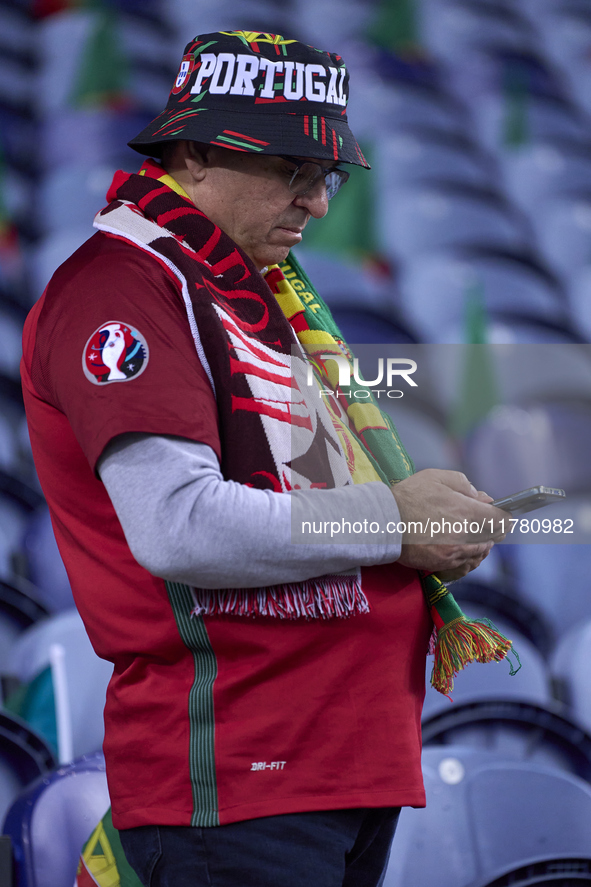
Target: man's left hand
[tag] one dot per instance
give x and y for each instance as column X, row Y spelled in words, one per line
column 465, row 568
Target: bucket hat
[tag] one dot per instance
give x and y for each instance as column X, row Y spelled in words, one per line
column 257, row 92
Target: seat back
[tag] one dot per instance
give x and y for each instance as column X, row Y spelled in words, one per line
column 553, row 577
column 24, row 755
column 539, row 443
column 434, row 288
column 487, row 818
column 19, row 609
column 420, row 154
column 563, row 224
column 548, row 166
column 436, row 216
column 45, row 564
column 569, row 667
column 50, row 821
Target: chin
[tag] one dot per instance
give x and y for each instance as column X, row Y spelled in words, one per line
column 274, row 256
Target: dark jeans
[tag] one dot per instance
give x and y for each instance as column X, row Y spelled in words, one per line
column 338, row 848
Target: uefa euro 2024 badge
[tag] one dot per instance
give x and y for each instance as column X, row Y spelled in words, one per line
column 116, row 352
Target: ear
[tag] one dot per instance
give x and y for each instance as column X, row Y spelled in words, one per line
column 196, row 159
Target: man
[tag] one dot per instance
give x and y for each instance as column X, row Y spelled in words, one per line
column 252, row 734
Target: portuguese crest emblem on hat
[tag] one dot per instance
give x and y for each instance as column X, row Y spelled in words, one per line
column 187, row 67
column 116, row 352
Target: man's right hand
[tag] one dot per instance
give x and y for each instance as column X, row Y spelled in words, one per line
column 433, row 496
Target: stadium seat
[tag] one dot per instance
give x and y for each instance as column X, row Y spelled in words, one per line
column 15, row 31
column 371, row 327
column 580, row 301
column 51, row 820
column 316, row 21
column 18, row 192
column 554, row 578
column 57, row 77
column 393, row 107
column 71, row 195
column 569, row 666
column 24, row 756
column 45, row 565
column 424, row 436
column 516, row 329
column 140, row 48
column 52, row 251
column 8, row 444
column 87, row 676
column 517, row 447
column 421, row 154
column 536, row 10
column 344, row 284
column 506, row 328
column 491, row 822
column 263, row 14
column 434, row 287
column 563, row 227
column 545, row 168
column 15, row 81
column 17, row 125
column 516, row 73
column 148, row 10
column 543, row 733
column 90, row 134
column 444, row 215
column 26, row 465
column 13, row 519
column 566, row 31
column 452, row 29
column 512, row 374
column 18, row 499
column 20, row 608
column 10, row 339
column 496, row 116
column 524, row 372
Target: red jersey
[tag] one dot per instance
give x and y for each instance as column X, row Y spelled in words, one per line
column 216, row 719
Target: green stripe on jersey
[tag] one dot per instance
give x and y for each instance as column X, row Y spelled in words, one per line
column 201, row 714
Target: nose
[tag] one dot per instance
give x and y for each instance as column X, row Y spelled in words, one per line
column 315, row 201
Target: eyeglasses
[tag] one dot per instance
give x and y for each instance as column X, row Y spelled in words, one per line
column 308, row 173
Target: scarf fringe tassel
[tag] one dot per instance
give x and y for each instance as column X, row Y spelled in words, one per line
column 308, row 600
column 462, row 641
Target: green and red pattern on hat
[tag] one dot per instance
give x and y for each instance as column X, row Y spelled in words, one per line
column 258, row 92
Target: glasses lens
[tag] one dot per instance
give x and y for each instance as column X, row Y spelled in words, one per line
column 334, row 180
column 305, row 178
column 308, row 174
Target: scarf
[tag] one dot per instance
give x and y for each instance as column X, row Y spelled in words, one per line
column 244, row 329
column 456, row 640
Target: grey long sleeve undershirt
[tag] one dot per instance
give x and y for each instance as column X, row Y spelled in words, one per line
column 185, row 523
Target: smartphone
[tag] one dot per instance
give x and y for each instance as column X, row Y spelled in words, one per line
column 530, row 499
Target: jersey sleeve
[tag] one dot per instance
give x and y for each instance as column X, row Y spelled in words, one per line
column 113, row 350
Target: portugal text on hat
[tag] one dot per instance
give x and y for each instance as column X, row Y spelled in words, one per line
column 235, row 74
